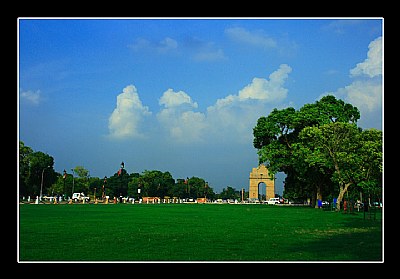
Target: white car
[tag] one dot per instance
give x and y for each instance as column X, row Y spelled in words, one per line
column 273, row 201
column 79, row 197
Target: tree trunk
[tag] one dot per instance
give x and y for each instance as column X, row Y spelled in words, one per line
column 312, row 200
column 318, row 196
column 343, row 191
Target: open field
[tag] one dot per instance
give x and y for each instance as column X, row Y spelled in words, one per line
column 195, row 232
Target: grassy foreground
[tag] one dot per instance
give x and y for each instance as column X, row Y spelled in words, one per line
column 194, row 232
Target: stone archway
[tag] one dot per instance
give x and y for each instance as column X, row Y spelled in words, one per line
column 258, row 175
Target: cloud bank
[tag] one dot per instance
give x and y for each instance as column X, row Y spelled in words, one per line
column 231, row 117
column 234, row 116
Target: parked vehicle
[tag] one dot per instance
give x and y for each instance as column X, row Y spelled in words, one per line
column 376, row 204
column 273, row 201
column 80, row 197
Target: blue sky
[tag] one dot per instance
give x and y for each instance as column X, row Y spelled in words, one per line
column 184, row 94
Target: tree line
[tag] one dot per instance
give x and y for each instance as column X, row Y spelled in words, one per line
column 37, row 177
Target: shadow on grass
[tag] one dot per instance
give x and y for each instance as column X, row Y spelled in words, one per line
column 358, row 240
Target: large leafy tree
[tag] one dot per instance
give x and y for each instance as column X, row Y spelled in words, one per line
column 277, row 139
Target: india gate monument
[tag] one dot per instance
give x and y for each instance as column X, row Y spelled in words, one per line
column 261, row 175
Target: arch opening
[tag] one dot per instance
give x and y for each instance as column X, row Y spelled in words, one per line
column 262, row 192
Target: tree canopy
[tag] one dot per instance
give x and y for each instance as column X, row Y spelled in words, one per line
column 320, row 149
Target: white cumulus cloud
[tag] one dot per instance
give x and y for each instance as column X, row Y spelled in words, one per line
column 366, row 95
column 271, row 90
column 126, row 118
column 173, row 99
column 372, row 65
column 177, row 118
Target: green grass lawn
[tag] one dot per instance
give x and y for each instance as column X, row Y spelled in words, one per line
column 195, row 232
